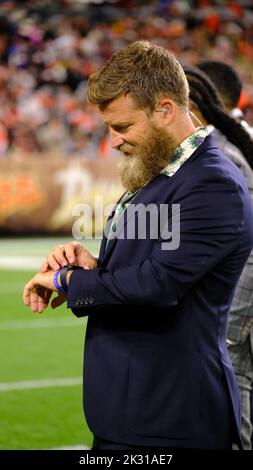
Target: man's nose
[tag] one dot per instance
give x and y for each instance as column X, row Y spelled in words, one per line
column 116, row 139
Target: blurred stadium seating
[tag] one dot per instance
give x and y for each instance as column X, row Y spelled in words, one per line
column 48, row 49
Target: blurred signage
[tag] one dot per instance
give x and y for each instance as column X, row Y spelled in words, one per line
column 40, row 194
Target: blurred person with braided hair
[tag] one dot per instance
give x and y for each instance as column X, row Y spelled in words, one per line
column 206, row 104
column 229, row 85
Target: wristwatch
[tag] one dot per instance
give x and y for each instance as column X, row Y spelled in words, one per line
column 63, row 273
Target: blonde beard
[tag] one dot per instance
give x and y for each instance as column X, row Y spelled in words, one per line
column 131, row 174
column 147, row 161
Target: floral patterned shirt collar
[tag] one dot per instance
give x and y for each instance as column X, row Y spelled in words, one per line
column 185, row 150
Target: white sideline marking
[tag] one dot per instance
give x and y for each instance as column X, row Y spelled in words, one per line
column 38, row 323
column 66, row 382
column 21, row 263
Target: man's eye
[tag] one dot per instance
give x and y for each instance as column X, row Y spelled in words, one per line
column 121, row 129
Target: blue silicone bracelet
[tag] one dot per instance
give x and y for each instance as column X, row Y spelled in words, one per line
column 56, row 285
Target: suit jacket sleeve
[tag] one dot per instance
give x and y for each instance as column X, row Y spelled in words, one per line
column 212, row 217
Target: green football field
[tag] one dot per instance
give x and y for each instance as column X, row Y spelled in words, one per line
column 41, row 358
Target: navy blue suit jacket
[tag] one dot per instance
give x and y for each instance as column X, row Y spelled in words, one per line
column 156, row 368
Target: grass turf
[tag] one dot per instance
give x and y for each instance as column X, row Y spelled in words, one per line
column 40, row 418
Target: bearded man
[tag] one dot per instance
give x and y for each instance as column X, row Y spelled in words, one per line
column 157, row 371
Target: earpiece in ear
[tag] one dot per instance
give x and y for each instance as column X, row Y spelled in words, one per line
column 165, row 111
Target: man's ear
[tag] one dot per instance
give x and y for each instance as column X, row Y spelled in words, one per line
column 166, row 107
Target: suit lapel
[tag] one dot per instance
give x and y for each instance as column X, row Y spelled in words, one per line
column 144, row 197
column 103, row 249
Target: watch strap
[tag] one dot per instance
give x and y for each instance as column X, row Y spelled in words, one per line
column 63, row 273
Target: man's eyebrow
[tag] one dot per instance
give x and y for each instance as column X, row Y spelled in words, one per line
column 118, row 124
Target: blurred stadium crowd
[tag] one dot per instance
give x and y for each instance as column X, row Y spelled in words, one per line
column 48, row 50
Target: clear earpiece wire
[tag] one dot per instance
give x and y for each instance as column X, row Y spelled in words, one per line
column 196, row 118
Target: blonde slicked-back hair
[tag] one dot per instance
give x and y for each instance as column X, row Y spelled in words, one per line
column 143, row 71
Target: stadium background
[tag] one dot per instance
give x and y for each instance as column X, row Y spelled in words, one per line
column 54, row 154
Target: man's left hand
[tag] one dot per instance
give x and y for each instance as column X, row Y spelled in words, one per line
column 38, row 291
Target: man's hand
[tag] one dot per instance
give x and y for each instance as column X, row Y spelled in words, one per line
column 71, row 253
column 38, row 291
column 60, row 256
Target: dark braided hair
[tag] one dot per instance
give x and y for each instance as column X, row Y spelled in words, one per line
column 221, row 74
column 205, row 96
